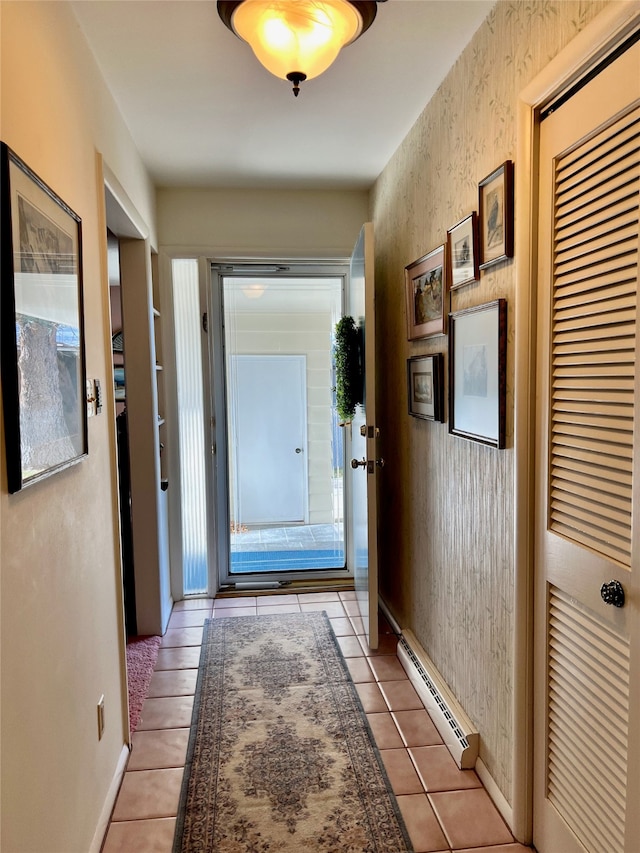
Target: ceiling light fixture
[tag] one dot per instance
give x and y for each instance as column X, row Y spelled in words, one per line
column 297, row 39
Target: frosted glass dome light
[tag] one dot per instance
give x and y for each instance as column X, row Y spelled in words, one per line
column 297, row 40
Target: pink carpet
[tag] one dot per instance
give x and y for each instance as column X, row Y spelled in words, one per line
column 142, row 654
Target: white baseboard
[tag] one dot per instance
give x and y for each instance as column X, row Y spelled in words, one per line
column 112, row 793
column 456, row 729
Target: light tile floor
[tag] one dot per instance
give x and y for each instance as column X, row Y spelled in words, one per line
column 445, row 809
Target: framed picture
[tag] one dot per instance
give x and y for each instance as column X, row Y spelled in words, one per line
column 477, row 373
column 462, row 243
column 496, row 216
column 425, row 387
column 426, row 294
column 43, row 359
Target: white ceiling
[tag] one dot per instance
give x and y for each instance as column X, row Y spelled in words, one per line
column 203, row 112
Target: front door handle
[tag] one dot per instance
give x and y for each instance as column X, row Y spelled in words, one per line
column 369, row 465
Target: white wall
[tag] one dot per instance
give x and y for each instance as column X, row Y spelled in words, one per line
column 62, row 628
column 261, row 223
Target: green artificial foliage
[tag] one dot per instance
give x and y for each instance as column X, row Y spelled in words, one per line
column 348, row 369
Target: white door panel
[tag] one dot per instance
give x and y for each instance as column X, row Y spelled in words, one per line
column 362, row 505
column 269, row 437
column 587, row 652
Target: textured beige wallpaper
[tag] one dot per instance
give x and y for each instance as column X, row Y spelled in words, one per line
column 446, row 504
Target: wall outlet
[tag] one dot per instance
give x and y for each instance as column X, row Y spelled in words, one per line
column 100, row 717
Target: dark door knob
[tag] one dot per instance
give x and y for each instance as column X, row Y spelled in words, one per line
column 612, row 593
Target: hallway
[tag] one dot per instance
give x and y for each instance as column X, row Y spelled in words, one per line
column 444, row 808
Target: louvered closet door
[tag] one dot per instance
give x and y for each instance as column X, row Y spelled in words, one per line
column 587, row 714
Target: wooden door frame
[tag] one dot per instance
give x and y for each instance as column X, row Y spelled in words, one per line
column 584, row 52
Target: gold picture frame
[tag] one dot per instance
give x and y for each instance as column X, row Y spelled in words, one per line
column 427, row 295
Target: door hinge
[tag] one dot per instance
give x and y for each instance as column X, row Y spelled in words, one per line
column 205, row 322
column 369, row 431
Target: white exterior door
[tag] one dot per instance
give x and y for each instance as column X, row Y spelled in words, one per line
column 268, row 436
column 587, row 651
column 362, row 507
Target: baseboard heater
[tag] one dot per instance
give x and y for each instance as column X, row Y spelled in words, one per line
column 455, row 728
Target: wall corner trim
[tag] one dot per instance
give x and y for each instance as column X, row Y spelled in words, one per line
column 110, row 801
column 499, row 800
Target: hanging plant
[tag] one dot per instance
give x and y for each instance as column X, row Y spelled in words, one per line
column 348, row 369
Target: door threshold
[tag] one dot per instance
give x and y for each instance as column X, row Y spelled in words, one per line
column 249, row 588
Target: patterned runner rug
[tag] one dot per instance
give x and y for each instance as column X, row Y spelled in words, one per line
column 281, row 758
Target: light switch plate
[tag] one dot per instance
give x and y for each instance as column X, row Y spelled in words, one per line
column 91, row 399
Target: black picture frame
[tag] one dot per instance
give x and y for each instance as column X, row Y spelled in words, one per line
column 478, row 373
column 41, row 327
column 425, row 387
column 462, row 248
column 495, row 207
